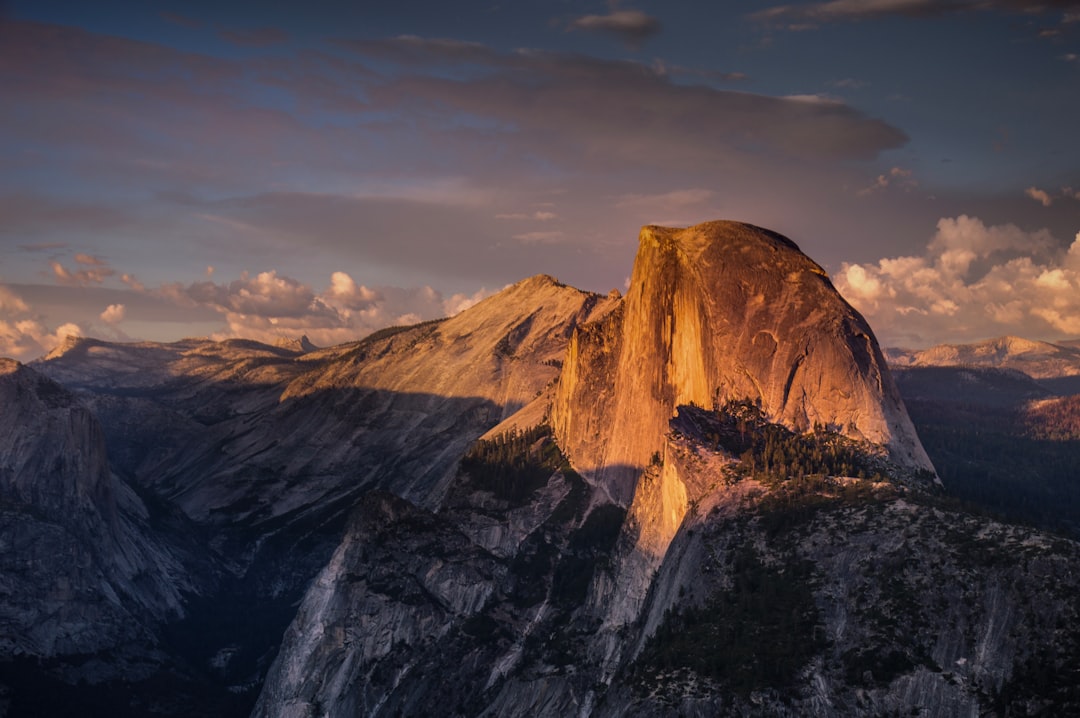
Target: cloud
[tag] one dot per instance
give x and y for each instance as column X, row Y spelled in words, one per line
column 113, row 314
column 896, row 177
column 675, row 199
column 458, row 303
column 849, row 83
column 89, row 260
column 269, row 305
column 807, row 16
column 23, row 336
column 633, row 27
column 973, row 282
column 1040, row 196
column 634, row 116
column 666, row 69
column 11, row 303
column 539, row 215
column 94, row 271
column 347, row 295
column 552, row 237
column 1046, row 199
column 394, row 155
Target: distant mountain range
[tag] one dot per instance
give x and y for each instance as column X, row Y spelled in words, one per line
column 705, row 498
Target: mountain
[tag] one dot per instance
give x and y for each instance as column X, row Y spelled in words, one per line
column 1056, row 366
column 1001, row 421
column 703, row 498
column 262, row 452
column 660, row 547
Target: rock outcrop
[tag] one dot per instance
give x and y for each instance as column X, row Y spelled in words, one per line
column 715, row 312
column 80, row 569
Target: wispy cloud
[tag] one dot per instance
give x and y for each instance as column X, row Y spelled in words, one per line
column 808, row 15
column 633, row 27
column 896, row 177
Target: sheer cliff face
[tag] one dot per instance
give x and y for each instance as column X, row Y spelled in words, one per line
column 723, row 311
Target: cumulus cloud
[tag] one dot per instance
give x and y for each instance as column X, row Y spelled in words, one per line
column 633, row 27
column 347, row 295
column 267, row 306
column 113, row 314
column 973, row 281
column 23, row 335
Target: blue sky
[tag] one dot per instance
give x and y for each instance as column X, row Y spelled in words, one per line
column 270, row 169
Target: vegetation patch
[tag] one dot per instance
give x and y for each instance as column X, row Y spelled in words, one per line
column 757, row 635
column 515, row 464
column 772, row 453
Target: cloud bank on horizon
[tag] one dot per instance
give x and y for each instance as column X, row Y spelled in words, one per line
column 328, row 171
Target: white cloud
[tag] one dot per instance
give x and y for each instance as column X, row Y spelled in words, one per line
column 345, row 294
column 973, row 281
column 458, row 303
column 269, row 305
column 22, row 334
column 113, row 314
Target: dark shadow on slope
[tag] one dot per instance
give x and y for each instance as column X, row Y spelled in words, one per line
column 990, row 450
column 267, row 495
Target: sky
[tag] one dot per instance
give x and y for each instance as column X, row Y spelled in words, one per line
column 274, row 168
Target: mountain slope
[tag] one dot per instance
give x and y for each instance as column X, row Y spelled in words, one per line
column 266, row 451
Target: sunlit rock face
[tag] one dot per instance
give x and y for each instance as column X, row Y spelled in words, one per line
column 723, row 311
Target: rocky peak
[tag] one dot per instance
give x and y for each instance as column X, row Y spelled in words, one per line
column 302, row 345
column 721, row 311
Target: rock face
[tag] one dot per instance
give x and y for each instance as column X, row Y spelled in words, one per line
column 80, row 570
column 715, row 312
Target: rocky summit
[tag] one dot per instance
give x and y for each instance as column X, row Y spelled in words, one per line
column 703, row 498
